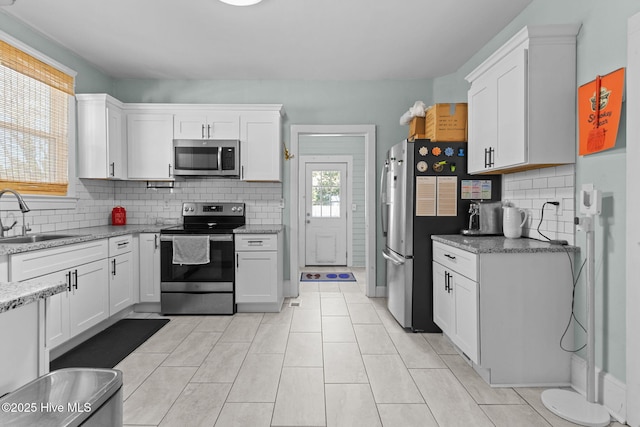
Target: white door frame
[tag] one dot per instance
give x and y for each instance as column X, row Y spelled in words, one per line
column 368, row 132
column 633, row 233
column 301, row 219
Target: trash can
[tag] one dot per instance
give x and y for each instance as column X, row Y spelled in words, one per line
column 66, row 397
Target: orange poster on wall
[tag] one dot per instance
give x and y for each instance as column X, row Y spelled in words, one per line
column 606, row 105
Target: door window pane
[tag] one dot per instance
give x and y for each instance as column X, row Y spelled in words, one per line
column 325, row 194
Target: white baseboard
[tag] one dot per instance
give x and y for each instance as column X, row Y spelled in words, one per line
column 381, row 291
column 610, row 392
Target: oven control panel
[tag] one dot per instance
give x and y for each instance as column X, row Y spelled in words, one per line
column 212, row 208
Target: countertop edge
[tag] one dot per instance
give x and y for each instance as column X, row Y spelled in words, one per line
column 500, row 244
column 16, row 294
column 81, row 235
column 259, row 229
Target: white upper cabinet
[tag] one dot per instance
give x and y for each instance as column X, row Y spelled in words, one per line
column 207, row 125
column 101, row 137
column 150, row 146
column 261, row 146
column 522, row 99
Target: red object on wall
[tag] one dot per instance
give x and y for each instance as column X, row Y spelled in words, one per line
column 118, row 216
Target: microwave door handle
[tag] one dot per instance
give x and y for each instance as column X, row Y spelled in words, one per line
column 220, row 159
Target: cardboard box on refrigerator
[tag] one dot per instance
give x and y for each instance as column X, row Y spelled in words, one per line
column 416, row 128
column 446, row 122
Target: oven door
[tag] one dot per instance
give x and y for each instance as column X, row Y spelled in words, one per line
column 198, row 289
column 215, row 276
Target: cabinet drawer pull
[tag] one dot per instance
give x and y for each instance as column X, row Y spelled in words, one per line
column 450, row 256
column 113, row 272
column 75, row 279
column 68, row 276
column 123, row 244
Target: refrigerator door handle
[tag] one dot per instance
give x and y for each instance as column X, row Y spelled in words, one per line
column 390, row 257
column 383, row 196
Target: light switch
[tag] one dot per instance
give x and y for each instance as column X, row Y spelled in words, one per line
column 354, row 207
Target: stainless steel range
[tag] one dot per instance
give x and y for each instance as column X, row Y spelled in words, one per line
column 192, row 280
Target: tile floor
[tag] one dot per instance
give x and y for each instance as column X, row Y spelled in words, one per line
column 337, row 359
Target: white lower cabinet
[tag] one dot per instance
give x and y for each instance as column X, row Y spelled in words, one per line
column 149, row 267
column 120, row 273
column 84, row 268
column 456, row 309
column 507, row 312
column 89, row 296
column 259, row 274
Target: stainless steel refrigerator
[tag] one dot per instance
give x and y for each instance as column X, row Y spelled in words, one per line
column 425, row 190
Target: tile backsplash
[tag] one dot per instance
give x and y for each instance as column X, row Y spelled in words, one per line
column 148, row 206
column 529, row 190
column 96, row 198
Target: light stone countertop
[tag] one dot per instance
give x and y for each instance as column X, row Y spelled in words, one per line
column 80, row 235
column 17, row 294
column 500, row 244
column 259, row 229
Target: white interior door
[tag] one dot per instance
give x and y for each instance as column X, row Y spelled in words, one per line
column 325, row 213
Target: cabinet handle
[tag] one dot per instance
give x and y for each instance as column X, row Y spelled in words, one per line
column 113, row 272
column 237, row 261
column 241, row 172
column 75, row 279
column 203, row 131
column 112, row 167
column 491, row 153
column 450, row 256
column 208, row 131
column 169, row 170
column 486, row 163
column 68, row 276
column 155, row 241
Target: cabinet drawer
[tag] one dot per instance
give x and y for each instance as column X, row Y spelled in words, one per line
column 28, row 265
column 256, row 242
column 456, row 259
column 120, row 245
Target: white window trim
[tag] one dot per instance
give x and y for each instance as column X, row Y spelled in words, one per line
column 49, row 202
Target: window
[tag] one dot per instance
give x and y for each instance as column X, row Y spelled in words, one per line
column 34, row 122
column 325, row 193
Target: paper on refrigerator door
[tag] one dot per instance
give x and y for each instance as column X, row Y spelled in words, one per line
column 425, row 196
column 436, row 196
column 447, row 196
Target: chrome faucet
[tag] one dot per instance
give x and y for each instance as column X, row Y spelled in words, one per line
column 23, row 207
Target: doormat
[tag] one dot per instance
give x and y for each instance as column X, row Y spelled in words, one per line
column 109, row 347
column 327, row 277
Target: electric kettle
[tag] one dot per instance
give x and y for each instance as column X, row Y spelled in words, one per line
column 118, row 216
column 513, row 219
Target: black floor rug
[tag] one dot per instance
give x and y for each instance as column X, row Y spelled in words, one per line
column 109, row 347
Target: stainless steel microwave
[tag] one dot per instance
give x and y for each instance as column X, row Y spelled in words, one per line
column 206, row 157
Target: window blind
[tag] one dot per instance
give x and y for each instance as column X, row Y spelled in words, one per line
column 34, row 117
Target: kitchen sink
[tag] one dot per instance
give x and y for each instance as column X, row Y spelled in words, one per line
column 33, row 238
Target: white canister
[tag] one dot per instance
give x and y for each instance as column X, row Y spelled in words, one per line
column 513, row 219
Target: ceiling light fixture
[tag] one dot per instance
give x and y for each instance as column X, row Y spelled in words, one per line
column 241, row 2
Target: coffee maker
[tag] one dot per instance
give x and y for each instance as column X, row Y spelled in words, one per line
column 485, row 219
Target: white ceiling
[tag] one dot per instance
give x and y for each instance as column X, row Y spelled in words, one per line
column 276, row 39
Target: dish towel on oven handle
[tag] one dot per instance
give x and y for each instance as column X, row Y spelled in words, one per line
column 191, row 250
